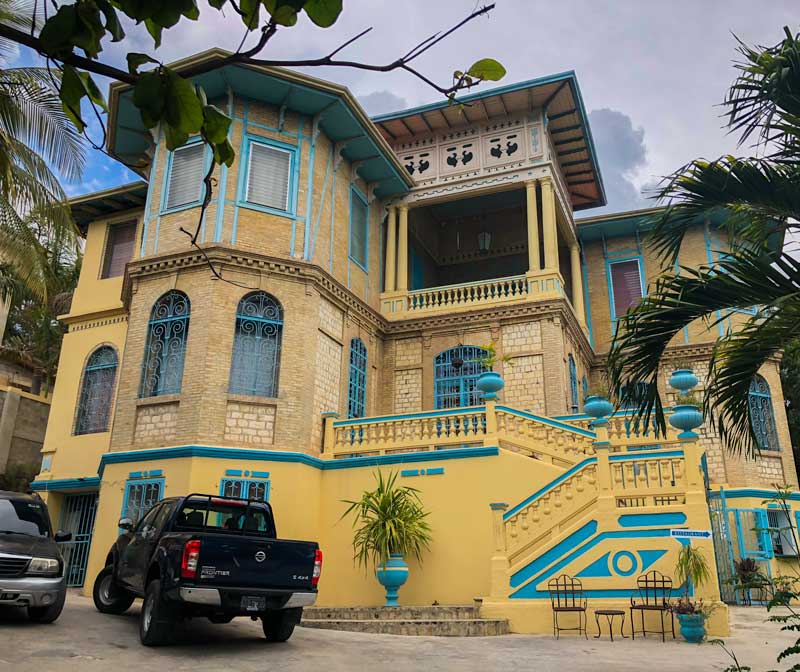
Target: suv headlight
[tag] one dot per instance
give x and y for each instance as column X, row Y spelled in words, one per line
column 45, row 566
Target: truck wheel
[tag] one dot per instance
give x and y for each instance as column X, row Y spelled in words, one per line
column 157, row 619
column 47, row 614
column 279, row 625
column 108, row 597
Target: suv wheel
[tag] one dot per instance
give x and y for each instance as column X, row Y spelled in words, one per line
column 47, row 614
column 157, row 619
column 279, row 625
column 108, row 597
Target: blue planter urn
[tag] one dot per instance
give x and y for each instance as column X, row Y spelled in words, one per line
column 686, row 417
column 391, row 576
column 490, row 383
column 693, row 627
column 683, row 380
column 597, row 406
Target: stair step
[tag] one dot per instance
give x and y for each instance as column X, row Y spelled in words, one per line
column 407, row 613
column 451, row 627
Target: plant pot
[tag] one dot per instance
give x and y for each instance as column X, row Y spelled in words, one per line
column 391, row 576
column 597, row 406
column 490, row 383
column 693, row 627
column 683, row 380
column 686, row 417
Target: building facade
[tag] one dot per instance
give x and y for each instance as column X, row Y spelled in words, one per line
column 332, row 321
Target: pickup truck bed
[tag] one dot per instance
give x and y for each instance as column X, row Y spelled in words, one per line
column 203, row 555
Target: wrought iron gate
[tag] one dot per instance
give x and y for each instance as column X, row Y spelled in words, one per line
column 77, row 517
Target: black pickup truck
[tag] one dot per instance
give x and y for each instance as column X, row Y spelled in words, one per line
column 209, row 556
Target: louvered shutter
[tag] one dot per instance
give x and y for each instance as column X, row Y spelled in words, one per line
column 358, row 230
column 268, row 177
column 626, row 284
column 185, row 175
column 119, row 249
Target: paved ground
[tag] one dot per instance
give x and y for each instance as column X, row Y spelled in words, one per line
column 83, row 639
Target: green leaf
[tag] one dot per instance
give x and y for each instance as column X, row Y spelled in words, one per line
column 155, row 31
column 57, row 31
column 113, row 25
column 93, row 91
column 323, row 12
column 217, row 4
column 71, row 93
column 487, row 69
column 284, row 12
column 175, row 137
column 148, row 96
column 216, row 124
column 250, row 12
column 89, row 29
column 135, row 60
column 182, row 108
column 223, row 153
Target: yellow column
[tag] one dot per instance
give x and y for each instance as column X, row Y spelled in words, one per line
column 391, row 251
column 402, row 250
column 550, row 236
column 534, row 263
column 498, row 587
column 577, row 281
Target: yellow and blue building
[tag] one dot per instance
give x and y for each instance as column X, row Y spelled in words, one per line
column 332, row 322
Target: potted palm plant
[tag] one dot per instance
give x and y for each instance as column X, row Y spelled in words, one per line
column 390, row 524
column 490, row 382
column 596, row 402
column 687, row 415
column 692, row 570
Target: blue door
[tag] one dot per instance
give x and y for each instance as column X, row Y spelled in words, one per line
column 77, row 517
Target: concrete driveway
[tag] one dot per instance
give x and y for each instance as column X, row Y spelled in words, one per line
column 83, row 639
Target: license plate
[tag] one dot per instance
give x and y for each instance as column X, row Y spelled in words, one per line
column 250, row 603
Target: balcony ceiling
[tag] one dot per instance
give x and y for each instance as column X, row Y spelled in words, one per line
column 558, row 95
column 107, row 203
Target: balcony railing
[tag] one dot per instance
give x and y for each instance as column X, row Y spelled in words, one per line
column 468, row 295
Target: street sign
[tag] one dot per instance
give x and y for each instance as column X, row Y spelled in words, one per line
column 690, row 534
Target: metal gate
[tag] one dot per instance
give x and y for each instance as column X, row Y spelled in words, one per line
column 77, row 517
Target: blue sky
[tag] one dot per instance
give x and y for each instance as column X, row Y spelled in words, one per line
column 651, row 72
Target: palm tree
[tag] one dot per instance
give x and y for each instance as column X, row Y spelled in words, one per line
column 37, row 140
column 757, row 200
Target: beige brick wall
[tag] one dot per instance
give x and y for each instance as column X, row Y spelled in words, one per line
column 327, row 383
column 525, row 384
column 250, row 423
column 409, row 352
column 408, row 391
column 522, row 337
column 156, row 424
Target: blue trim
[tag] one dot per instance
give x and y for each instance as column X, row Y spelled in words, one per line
column 654, row 455
column 247, row 483
column 233, row 472
column 619, row 260
column 136, row 474
column 410, row 416
column 624, row 554
column 752, row 492
column 148, row 204
column 168, row 173
column 136, row 483
column 241, row 173
column 333, row 213
column 298, row 458
column 651, row 519
column 354, row 191
column 310, row 191
column 249, row 139
column 296, row 179
column 260, row 474
column 551, row 555
column 310, row 253
column 552, row 484
column 59, row 484
column 223, row 180
column 587, row 305
column 549, row 421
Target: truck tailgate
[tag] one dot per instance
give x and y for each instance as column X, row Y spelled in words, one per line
column 257, row 562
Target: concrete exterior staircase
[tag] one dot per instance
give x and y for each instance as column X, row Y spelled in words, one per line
column 437, row 621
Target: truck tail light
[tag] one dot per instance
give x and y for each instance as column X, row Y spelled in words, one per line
column 190, row 560
column 317, row 568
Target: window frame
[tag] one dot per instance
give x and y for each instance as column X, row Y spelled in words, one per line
column 574, row 396
column 245, row 481
column 291, row 191
column 356, row 192
column 444, row 385
column 164, row 210
column 107, row 246
column 278, row 338
column 158, row 390
column 357, row 378
column 130, row 484
column 611, row 262
column 87, row 369
column 773, row 421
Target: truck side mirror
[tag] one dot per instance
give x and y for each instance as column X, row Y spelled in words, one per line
column 126, row 524
column 62, row 536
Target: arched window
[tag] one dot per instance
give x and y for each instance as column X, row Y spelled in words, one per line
column 162, row 368
column 97, row 391
column 762, row 415
column 357, row 392
column 585, row 387
column 573, row 384
column 257, row 346
column 456, row 372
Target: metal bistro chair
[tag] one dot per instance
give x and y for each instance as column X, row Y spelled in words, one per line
column 567, row 596
column 654, row 592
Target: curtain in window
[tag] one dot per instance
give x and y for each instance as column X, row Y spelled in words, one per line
column 357, row 390
column 358, row 229
column 762, row 415
column 186, row 175
column 626, row 285
column 268, row 176
column 119, row 249
column 162, row 369
column 97, row 391
column 257, row 346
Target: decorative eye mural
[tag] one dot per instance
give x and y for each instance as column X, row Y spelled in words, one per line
column 621, row 563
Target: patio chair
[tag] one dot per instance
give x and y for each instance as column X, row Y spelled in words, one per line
column 653, row 593
column 567, row 597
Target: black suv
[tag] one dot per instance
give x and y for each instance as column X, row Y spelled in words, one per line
column 31, row 566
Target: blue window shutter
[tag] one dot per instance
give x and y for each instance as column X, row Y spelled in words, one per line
column 185, row 183
column 97, row 391
column 255, row 367
column 359, row 223
column 162, row 368
column 357, row 387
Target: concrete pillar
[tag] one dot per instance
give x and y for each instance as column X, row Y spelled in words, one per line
column 577, row 281
column 402, row 250
column 328, row 438
column 499, row 579
column 534, row 263
column 549, row 232
column 390, row 277
column 8, row 420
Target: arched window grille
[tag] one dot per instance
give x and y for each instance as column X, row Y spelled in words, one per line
column 456, row 372
column 762, row 415
column 357, row 388
column 573, row 384
column 585, row 387
column 257, row 346
column 97, row 391
column 162, row 368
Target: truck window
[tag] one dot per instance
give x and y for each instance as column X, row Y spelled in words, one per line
column 224, row 515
